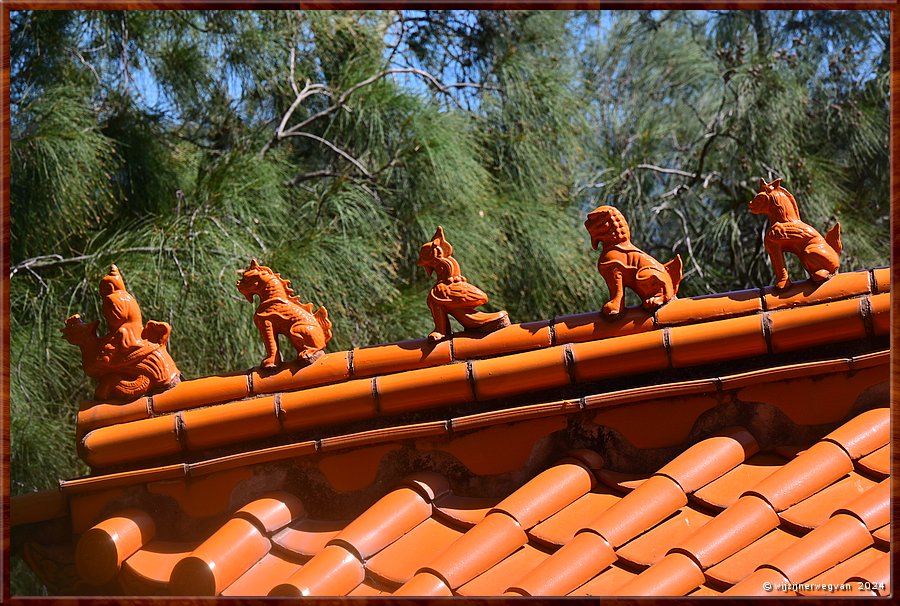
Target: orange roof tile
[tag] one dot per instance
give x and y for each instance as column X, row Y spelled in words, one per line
column 562, row 532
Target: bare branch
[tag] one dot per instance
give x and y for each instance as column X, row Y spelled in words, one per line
column 293, row 78
column 45, row 261
column 85, row 63
column 308, row 91
column 336, row 150
column 667, row 171
column 342, row 99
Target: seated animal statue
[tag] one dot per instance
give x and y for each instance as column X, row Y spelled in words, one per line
column 452, row 295
column 623, row 264
column 819, row 256
column 281, row 313
column 131, row 359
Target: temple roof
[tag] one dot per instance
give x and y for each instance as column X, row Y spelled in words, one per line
column 708, row 447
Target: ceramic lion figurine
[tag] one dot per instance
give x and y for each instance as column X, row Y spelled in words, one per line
column 281, row 313
column 623, row 264
column 819, row 256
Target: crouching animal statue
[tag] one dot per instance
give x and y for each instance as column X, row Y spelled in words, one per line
column 452, row 295
column 623, row 264
column 281, row 313
column 131, row 359
column 819, row 256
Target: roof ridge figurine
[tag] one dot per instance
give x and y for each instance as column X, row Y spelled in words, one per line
column 819, row 256
column 622, row 264
column 281, row 313
column 453, row 295
column 131, row 359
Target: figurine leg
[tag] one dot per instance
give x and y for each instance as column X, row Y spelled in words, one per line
column 481, row 321
column 309, row 341
column 129, row 389
column 651, row 286
column 441, row 321
column 269, row 340
column 820, row 263
column 616, row 292
column 778, row 267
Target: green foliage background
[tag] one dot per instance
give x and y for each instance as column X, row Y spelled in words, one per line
column 148, row 139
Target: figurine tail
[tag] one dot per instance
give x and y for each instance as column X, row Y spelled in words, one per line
column 833, row 238
column 674, row 269
column 321, row 317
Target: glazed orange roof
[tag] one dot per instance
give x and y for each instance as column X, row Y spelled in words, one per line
column 722, row 517
column 576, row 456
column 388, row 380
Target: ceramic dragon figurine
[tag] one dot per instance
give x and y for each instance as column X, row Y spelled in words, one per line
column 452, row 295
column 787, row 233
column 131, row 359
column 623, row 264
column 281, row 313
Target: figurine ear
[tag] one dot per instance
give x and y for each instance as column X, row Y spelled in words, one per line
column 776, row 183
column 441, row 243
column 763, row 186
column 254, row 263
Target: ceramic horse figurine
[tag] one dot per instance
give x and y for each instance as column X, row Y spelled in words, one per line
column 787, row 233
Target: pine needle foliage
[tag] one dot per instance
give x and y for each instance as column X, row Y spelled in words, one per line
column 151, row 140
column 693, row 108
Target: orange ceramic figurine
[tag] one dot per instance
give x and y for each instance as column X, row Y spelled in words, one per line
column 819, row 256
column 623, row 264
column 453, row 295
column 131, row 359
column 280, row 313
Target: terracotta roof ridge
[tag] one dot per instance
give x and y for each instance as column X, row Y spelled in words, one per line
column 385, row 359
column 489, row 379
column 20, row 504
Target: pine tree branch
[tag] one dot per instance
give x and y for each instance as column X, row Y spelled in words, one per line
column 336, row 150
column 342, row 99
column 667, row 171
column 45, row 261
column 309, row 89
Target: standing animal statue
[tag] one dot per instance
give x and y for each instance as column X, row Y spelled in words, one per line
column 452, row 295
column 623, row 264
column 131, row 359
column 787, row 233
column 281, row 313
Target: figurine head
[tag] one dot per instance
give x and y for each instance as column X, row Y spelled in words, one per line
column 760, row 203
column 251, row 282
column 775, row 200
column 111, row 282
column 607, row 225
column 257, row 278
column 432, row 252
